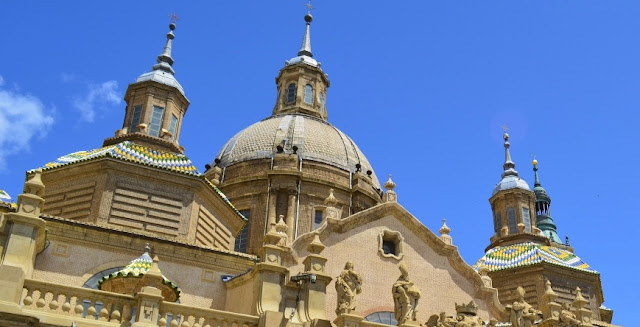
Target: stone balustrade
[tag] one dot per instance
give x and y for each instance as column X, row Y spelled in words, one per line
column 64, row 305
column 72, row 304
column 179, row 315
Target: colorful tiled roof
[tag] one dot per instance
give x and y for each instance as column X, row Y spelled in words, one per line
column 136, row 269
column 526, row 254
column 129, row 151
column 4, row 196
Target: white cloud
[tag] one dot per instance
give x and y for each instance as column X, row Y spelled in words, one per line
column 97, row 96
column 22, row 118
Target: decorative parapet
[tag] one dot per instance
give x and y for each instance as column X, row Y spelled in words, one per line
column 65, row 305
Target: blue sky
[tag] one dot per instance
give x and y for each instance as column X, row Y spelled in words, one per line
column 423, row 87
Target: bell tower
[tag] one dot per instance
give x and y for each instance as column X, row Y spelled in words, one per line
column 302, row 85
column 156, row 105
column 513, row 205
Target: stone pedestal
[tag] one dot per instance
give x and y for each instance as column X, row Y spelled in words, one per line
column 348, row 320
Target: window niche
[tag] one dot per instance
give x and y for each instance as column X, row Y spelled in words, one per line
column 390, row 244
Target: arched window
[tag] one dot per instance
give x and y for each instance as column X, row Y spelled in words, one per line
column 526, row 219
column 382, row 317
column 291, row 93
column 321, row 96
column 511, row 220
column 308, row 94
column 497, row 223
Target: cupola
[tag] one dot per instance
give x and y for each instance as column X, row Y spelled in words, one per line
column 302, row 85
column 512, row 202
column 156, row 105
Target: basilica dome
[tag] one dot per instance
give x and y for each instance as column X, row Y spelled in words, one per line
column 311, row 138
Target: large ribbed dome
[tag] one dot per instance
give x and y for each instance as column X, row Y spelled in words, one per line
column 316, row 139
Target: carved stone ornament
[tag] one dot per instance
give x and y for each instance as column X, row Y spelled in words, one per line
column 466, row 316
column 405, row 297
column 348, row 284
column 521, row 313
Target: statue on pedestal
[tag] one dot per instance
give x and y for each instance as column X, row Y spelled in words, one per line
column 405, row 297
column 348, row 284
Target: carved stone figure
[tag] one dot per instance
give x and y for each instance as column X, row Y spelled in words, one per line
column 466, row 317
column 522, row 314
column 567, row 317
column 348, row 284
column 405, row 297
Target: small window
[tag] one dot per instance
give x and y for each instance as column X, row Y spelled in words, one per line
column 135, row 118
column 156, row 121
column 321, row 97
column 497, row 222
column 389, row 247
column 291, row 93
column 172, row 126
column 308, row 94
column 317, row 219
column 526, row 219
column 241, row 240
column 511, row 220
column 390, row 244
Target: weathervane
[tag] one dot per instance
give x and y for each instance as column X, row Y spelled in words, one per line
column 174, row 17
column 309, row 6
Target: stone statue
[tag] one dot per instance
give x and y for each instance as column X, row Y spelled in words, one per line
column 405, row 297
column 522, row 314
column 467, row 316
column 348, row 284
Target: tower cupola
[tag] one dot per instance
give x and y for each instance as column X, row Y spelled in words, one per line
column 543, row 209
column 156, row 105
column 512, row 203
column 302, row 85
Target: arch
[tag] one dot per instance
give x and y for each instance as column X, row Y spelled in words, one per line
column 291, row 93
column 308, row 94
column 92, row 282
column 383, row 317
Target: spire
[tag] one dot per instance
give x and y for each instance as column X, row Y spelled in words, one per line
column 305, row 48
column 164, row 59
column 543, row 209
column 509, row 166
column 535, row 172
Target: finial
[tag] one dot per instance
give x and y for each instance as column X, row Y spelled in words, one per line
column 444, row 230
column 508, row 166
column 147, row 248
column 164, row 59
column 331, row 199
column 305, row 48
column 535, row 171
column 566, row 240
column 389, row 184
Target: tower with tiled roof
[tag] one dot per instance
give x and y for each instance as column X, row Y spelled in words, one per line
column 156, row 105
column 525, row 250
column 140, row 180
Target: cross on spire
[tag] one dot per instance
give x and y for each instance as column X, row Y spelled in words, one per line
column 174, row 17
column 505, row 128
column 309, row 6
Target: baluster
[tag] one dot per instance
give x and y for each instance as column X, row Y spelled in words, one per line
column 66, row 306
column 40, row 303
column 53, row 305
column 79, row 308
column 126, row 313
column 162, row 322
column 91, row 311
column 103, row 315
column 174, row 320
column 115, row 312
column 196, row 321
column 28, row 299
column 185, row 320
column 208, row 321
